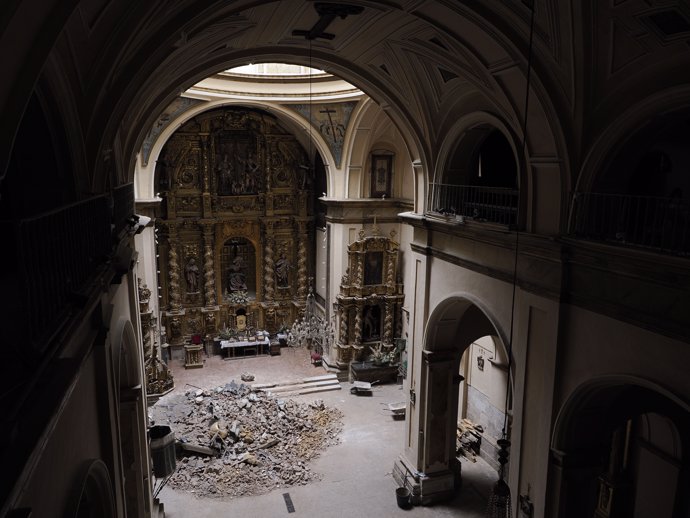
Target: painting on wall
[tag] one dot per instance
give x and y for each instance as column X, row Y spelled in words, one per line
column 381, row 169
column 373, row 268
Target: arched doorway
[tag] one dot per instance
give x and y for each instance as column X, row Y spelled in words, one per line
column 620, row 448
column 132, row 420
column 430, row 465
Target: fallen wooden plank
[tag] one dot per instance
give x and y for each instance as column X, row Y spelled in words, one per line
column 301, row 385
column 196, row 448
column 295, row 382
column 327, row 388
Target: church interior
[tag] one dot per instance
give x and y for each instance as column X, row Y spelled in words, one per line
column 483, row 204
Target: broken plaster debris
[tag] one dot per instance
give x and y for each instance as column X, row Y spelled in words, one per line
column 236, row 442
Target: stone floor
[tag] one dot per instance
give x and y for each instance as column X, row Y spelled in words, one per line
column 357, row 481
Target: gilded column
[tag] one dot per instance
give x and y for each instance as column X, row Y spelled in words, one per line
column 302, row 260
column 343, row 324
column 209, row 271
column 388, row 324
column 269, row 265
column 173, row 270
column 358, row 323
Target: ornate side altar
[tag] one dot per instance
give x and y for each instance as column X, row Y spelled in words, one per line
column 369, row 305
column 236, row 224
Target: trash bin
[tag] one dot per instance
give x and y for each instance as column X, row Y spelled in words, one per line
column 162, row 450
column 402, row 495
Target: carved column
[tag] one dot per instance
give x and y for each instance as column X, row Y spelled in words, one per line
column 269, row 277
column 343, row 324
column 388, row 324
column 358, row 323
column 173, row 270
column 302, row 260
column 207, row 209
column 209, row 271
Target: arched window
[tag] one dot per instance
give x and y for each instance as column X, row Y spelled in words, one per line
column 640, row 198
column 480, row 181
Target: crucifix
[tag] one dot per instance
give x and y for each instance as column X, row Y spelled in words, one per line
column 327, row 13
column 328, row 112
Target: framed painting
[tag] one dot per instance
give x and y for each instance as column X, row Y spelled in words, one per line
column 373, row 268
column 381, row 170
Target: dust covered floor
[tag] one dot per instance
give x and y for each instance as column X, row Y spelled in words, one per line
column 352, row 478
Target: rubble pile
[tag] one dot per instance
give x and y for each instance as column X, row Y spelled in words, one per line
column 469, row 439
column 233, row 441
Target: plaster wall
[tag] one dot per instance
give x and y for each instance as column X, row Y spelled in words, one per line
column 594, row 345
column 145, row 244
column 74, row 440
column 321, row 267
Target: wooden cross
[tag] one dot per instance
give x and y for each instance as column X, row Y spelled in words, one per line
column 328, row 112
column 328, row 13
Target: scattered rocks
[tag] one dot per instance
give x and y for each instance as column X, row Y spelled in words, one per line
column 245, row 376
column 260, row 442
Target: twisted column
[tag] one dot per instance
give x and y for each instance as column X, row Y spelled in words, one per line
column 209, row 271
column 173, row 271
column 388, row 324
column 269, row 278
column 358, row 325
column 343, row 324
column 302, row 267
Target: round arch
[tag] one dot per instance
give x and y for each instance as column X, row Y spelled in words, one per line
column 474, row 128
column 592, row 438
column 145, row 183
column 126, row 359
column 454, row 324
column 320, row 59
column 360, row 144
column 612, row 138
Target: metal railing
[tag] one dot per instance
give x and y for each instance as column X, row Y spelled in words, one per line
column 488, row 204
column 57, row 253
column 662, row 224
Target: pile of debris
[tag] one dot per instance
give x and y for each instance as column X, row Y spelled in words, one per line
column 234, row 441
column 469, row 439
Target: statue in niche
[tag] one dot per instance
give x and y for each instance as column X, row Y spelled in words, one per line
column 192, row 276
column 175, row 328
column 282, row 267
column 225, row 174
column 144, row 292
column 237, row 279
column 372, row 324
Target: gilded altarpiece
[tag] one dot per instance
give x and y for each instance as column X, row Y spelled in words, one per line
column 235, row 224
column 369, row 305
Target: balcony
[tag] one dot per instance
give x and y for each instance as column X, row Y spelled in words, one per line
column 485, row 204
column 659, row 224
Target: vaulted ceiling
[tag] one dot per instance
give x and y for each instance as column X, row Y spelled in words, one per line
column 117, row 64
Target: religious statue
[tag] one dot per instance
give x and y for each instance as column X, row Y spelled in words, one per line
column 282, row 267
column 237, row 280
column 175, row 328
column 192, row 276
column 144, row 296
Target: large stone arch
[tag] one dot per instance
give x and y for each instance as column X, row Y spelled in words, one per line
column 453, row 325
column 614, row 136
column 365, row 122
column 145, row 175
column 583, row 437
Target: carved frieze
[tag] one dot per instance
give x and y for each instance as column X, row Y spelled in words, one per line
column 188, row 204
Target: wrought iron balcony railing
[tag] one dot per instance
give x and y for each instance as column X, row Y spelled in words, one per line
column 661, row 224
column 57, row 253
column 486, row 204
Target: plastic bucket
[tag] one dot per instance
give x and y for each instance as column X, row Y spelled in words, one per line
column 402, row 495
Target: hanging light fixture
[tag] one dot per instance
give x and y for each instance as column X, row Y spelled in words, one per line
column 499, row 505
